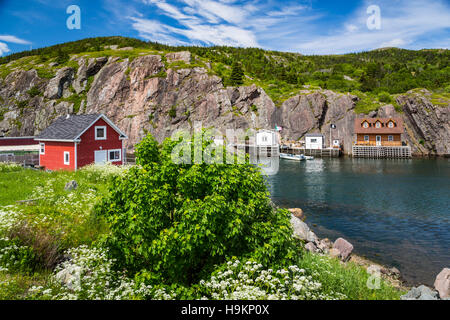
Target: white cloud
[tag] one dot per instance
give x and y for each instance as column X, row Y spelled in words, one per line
column 3, row 48
column 287, row 11
column 393, row 43
column 208, row 22
column 351, row 28
column 293, row 25
column 220, row 11
column 404, row 23
column 201, row 33
column 13, row 39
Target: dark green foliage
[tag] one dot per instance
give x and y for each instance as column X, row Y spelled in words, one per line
column 384, row 97
column 62, row 56
column 237, row 75
column 173, row 112
column 34, row 91
column 173, row 223
column 76, row 100
column 22, row 104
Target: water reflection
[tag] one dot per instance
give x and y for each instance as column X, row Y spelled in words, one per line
column 268, row 165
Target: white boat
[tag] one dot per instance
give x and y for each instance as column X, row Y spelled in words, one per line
column 293, row 157
column 308, row 157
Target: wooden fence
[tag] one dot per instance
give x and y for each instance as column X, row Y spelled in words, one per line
column 24, row 159
column 130, row 158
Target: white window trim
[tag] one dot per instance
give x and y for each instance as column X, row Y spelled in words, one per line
column 368, row 138
column 104, row 130
column 120, row 155
column 66, row 162
column 390, row 138
column 41, row 146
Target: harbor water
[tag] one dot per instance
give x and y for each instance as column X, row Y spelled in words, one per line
column 394, row 212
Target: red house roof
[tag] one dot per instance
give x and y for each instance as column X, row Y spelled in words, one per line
column 69, row 128
column 384, row 126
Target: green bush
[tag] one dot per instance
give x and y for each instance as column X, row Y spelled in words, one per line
column 384, row 97
column 15, row 257
column 34, row 91
column 173, row 112
column 173, row 223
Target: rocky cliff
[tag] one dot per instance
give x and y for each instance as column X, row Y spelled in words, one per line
column 162, row 93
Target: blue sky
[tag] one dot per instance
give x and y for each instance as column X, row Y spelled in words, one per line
column 304, row 26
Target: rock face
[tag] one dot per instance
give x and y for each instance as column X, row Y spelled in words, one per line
column 314, row 112
column 427, row 125
column 442, row 283
column 87, row 69
column 59, row 85
column 160, row 96
column 184, row 56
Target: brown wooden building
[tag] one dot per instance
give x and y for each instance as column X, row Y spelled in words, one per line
column 378, row 132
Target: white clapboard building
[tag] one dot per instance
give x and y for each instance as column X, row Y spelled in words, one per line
column 314, row 141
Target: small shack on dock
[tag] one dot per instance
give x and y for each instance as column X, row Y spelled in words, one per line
column 314, row 141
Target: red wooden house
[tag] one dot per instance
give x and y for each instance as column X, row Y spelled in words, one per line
column 74, row 141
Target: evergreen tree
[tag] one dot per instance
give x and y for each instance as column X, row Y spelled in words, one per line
column 237, row 75
column 62, row 57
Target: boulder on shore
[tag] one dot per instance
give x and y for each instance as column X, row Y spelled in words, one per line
column 334, row 253
column 345, row 248
column 311, row 247
column 442, row 283
column 324, row 245
column 302, row 231
column 421, row 293
column 298, row 213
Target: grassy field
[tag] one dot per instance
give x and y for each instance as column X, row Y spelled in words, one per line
column 35, row 236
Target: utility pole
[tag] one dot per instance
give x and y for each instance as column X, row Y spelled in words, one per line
column 332, row 126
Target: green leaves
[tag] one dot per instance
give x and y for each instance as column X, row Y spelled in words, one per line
column 179, row 221
column 147, row 152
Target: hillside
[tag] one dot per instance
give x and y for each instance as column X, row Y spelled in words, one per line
column 156, row 88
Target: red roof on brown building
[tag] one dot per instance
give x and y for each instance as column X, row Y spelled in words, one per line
column 384, row 129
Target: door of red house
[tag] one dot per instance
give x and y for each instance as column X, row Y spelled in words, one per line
column 100, row 156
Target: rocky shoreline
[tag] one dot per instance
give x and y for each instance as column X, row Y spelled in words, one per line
column 343, row 250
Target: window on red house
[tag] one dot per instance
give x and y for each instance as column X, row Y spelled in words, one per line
column 66, row 157
column 114, row 155
column 100, row 133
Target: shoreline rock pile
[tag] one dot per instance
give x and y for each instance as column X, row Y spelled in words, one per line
column 342, row 249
